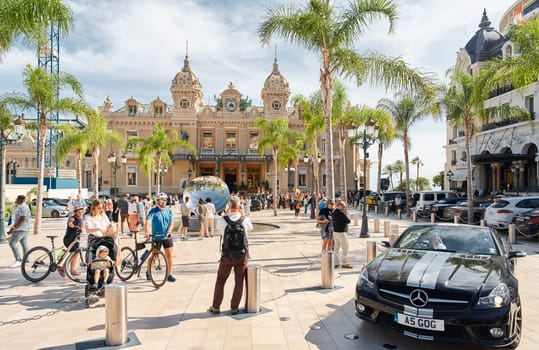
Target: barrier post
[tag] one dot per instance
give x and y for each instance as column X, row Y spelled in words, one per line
column 327, row 270
column 455, row 219
column 432, row 217
column 386, row 228
column 252, row 298
column 393, row 238
column 482, row 223
column 371, row 250
column 398, row 214
column 376, row 225
column 414, row 216
column 511, row 234
column 115, row 315
column 356, row 219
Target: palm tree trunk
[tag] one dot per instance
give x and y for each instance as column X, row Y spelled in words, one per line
column 275, row 154
column 469, row 193
column 342, row 167
column 79, row 171
column 158, row 172
column 406, row 168
column 150, row 185
column 41, row 174
column 379, row 176
column 327, row 97
column 95, row 156
column 316, row 170
column 417, row 178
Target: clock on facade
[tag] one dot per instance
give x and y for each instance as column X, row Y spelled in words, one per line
column 276, row 105
column 230, row 105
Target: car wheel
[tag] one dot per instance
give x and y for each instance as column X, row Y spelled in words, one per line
column 55, row 214
column 517, row 327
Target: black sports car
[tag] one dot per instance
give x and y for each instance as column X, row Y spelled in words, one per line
column 444, row 282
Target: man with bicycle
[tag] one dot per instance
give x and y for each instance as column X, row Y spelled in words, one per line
column 160, row 221
column 73, row 230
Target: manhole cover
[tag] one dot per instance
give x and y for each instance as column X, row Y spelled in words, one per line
column 351, row 336
column 316, row 327
column 284, row 318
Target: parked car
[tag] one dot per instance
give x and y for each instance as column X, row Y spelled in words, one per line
column 440, row 207
column 527, row 223
column 389, row 197
column 372, row 199
column 421, row 199
column 444, row 283
column 500, row 213
column 53, row 210
column 461, row 210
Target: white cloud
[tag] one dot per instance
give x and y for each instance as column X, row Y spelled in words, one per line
column 126, row 48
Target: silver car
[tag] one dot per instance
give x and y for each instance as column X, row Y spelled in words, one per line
column 53, row 210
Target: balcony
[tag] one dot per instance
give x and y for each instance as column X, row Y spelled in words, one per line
column 500, row 91
column 502, row 123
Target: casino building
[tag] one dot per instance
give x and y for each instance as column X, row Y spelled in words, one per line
column 504, row 154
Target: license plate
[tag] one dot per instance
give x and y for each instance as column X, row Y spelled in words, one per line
column 419, row 322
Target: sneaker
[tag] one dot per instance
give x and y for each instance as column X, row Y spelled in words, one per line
column 17, row 263
column 213, row 310
column 61, row 272
column 94, row 285
column 234, row 311
column 148, row 276
column 171, row 278
column 347, row 266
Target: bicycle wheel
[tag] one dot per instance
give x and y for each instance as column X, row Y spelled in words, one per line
column 128, row 264
column 36, row 264
column 158, row 268
column 78, row 274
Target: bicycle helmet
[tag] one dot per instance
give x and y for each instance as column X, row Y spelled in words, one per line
column 162, row 196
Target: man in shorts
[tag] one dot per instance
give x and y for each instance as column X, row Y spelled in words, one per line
column 160, row 222
column 186, row 214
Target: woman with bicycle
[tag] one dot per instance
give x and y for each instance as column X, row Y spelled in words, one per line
column 73, row 230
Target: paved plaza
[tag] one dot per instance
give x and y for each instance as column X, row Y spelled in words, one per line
column 296, row 312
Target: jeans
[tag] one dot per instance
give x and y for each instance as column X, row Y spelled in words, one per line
column 225, row 267
column 341, row 241
column 16, row 237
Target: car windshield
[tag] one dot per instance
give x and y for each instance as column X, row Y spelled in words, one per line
column 470, row 240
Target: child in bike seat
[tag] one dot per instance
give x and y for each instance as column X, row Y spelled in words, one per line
column 101, row 265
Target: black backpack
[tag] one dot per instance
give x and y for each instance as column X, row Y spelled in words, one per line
column 234, row 239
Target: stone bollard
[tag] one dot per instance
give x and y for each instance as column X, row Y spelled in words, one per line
column 387, row 210
column 511, row 234
column 371, row 250
column 376, row 225
column 432, row 217
column 455, row 219
column 393, row 238
column 395, row 229
column 356, row 216
column 398, row 214
column 414, row 216
column 115, row 314
column 482, row 223
column 386, row 228
column 327, row 270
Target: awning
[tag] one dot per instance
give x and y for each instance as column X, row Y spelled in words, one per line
column 459, row 175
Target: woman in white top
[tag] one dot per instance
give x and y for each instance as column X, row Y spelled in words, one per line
column 98, row 224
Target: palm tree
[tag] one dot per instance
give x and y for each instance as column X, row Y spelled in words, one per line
column 310, row 111
column 158, row 145
column 388, row 169
column 407, row 109
column 276, row 135
column 41, row 97
column 72, row 140
column 386, row 135
column 330, row 34
column 398, row 167
column 31, row 20
column 97, row 135
column 417, row 162
column 464, row 104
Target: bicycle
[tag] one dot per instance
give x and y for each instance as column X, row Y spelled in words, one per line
column 40, row 261
column 130, row 263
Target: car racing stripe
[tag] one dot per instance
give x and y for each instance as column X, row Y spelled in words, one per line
column 425, row 272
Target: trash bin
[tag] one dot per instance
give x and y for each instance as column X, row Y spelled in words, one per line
column 115, row 315
column 327, row 270
column 252, row 298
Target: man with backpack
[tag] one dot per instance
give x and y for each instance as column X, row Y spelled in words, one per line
column 234, row 255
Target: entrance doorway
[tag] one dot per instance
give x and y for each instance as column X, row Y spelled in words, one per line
column 231, row 180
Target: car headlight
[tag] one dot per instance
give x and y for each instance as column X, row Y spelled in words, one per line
column 498, row 297
column 364, row 277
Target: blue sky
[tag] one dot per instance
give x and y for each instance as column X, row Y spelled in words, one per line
column 125, row 48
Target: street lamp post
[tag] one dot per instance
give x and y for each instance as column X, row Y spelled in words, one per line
column 115, row 166
column 4, row 140
column 364, row 140
column 162, row 173
column 12, row 166
column 450, row 178
column 517, row 169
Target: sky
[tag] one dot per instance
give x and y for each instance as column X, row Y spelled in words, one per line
column 125, row 48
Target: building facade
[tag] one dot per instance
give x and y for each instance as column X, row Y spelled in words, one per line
column 503, row 154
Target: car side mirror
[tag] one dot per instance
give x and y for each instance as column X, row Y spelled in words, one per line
column 385, row 244
column 517, row 254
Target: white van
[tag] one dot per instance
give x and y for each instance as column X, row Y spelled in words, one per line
column 424, row 198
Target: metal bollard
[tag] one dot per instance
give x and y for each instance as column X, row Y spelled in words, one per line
column 455, row 219
column 386, row 228
column 482, row 223
column 356, row 215
column 327, row 270
column 398, row 214
column 432, row 217
column 371, row 250
column 376, row 225
column 511, row 234
column 252, row 298
column 115, row 315
column 414, row 216
column 393, row 238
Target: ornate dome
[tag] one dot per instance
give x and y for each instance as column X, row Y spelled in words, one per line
column 486, row 43
column 186, row 79
column 275, row 82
